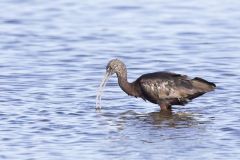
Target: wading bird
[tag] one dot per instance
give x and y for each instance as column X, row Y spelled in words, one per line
column 162, row 88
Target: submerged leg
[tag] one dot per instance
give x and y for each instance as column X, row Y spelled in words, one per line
column 165, row 107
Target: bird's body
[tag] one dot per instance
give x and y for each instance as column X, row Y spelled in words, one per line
column 167, row 89
column 162, row 88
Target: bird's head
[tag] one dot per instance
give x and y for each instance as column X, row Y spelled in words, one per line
column 116, row 66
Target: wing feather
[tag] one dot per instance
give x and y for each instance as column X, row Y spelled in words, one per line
column 165, row 86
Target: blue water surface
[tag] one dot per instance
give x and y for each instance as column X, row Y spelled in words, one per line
column 53, row 56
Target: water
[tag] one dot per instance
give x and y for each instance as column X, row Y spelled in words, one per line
column 53, row 56
column 101, row 88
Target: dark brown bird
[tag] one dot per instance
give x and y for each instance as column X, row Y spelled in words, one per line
column 162, row 88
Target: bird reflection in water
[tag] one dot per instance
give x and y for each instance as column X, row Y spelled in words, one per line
column 170, row 119
column 161, row 119
column 149, row 125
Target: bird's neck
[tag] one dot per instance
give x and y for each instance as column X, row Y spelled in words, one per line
column 127, row 87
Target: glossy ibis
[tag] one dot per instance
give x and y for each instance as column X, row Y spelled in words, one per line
column 162, row 88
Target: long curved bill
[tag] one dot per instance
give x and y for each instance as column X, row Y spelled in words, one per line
column 101, row 88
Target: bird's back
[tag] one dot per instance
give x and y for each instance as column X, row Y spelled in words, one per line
column 171, row 88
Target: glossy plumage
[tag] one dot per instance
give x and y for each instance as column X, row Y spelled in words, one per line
column 168, row 89
column 162, row 88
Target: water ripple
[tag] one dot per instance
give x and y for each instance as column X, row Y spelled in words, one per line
column 54, row 54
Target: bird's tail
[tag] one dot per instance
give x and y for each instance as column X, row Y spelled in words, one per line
column 203, row 85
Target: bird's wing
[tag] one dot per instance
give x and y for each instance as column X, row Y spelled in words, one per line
column 164, row 85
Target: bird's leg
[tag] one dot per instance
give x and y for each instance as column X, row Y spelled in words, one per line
column 165, row 107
